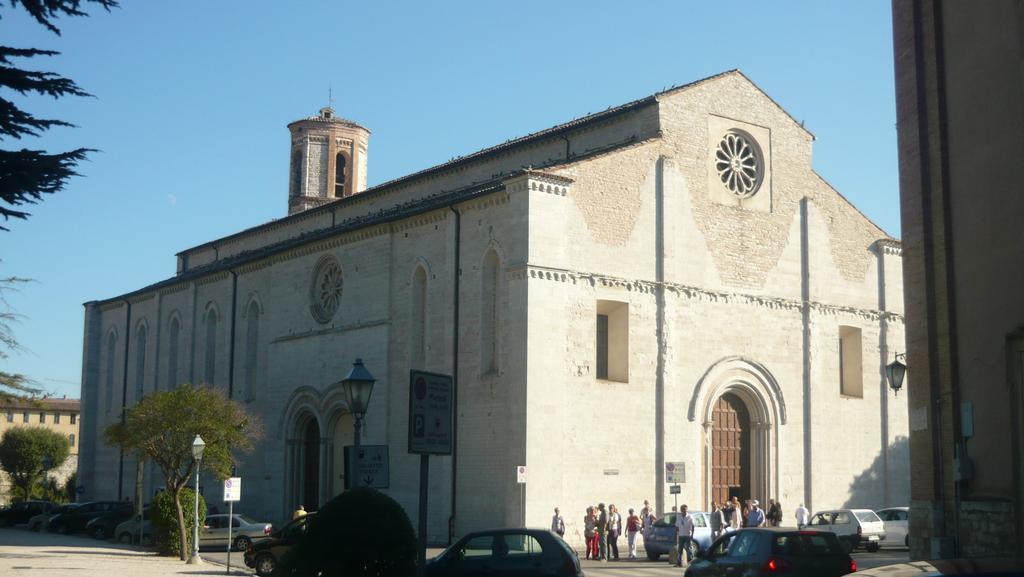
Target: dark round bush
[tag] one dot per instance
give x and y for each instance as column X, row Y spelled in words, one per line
column 361, row 532
column 165, row 520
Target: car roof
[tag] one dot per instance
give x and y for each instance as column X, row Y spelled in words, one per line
column 508, row 531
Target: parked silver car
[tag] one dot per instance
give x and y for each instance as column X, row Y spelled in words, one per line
column 895, row 519
column 854, row 527
column 128, row 531
column 243, row 531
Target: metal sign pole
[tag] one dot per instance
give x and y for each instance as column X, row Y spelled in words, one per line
column 231, row 525
column 421, row 554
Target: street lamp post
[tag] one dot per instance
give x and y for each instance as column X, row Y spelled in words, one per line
column 358, row 386
column 197, row 453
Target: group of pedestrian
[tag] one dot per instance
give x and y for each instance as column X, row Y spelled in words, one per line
column 602, row 528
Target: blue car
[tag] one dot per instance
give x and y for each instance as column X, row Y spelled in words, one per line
column 662, row 536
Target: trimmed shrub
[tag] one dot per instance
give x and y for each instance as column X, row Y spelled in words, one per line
column 164, row 518
column 361, row 532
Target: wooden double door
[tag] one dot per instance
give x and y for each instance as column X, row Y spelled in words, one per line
column 730, row 449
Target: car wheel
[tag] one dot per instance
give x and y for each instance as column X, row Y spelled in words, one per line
column 126, row 538
column 64, row 530
column 242, row 543
column 265, row 565
column 652, row 556
column 872, row 547
column 99, row 533
column 906, row 541
column 34, row 527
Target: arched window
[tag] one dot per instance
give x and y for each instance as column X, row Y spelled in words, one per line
column 489, row 283
column 339, row 175
column 210, row 364
column 418, row 332
column 140, row 360
column 252, row 331
column 172, row 353
column 109, row 375
column 296, row 173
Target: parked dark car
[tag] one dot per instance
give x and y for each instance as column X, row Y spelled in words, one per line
column 512, row 552
column 265, row 554
column 38, row 522
column 75, row 520
column 20, row 513
column 774, row 551
column 102, row 526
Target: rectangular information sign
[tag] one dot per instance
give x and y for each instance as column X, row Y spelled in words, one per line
column 675, row 472
column 430, row 413
column 367, row 466
column 233, row 489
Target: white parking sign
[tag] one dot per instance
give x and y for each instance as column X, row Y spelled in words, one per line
column 233, row 489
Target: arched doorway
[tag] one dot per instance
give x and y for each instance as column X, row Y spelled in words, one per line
column 730, row 449
column 310, row 459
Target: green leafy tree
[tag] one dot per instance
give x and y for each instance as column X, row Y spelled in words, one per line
column 163, row 513
column 26, row 175
column 162, row 426
column 360, row 533
column 22, row 454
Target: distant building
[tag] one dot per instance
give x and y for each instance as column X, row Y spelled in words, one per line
column 960, row 113
column 60, row 415
column 667, row 281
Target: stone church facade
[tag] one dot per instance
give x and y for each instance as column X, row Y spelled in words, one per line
column 667, row 281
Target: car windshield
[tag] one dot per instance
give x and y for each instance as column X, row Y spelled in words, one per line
column 867, row 516
column 668, row 520
column 807, row 545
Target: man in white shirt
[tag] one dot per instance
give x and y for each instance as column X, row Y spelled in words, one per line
column 684, row 535
column 558, row 524
column 802, row 516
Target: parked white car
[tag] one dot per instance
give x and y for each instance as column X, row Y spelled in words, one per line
column 895, row 519
column 243, row 531
column 854, row 527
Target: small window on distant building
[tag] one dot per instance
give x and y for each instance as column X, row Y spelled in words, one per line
column 42, row 417
column 339, row 175
column 71, row 439
column 851, row 372
column 297, row 173
column 56, row 418
column 10, row 416
column 612, row 332
column 24, row 417
column 74, row 418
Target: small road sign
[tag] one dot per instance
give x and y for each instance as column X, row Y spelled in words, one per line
column 232, row 489
column 675, row 490
column 367, row 466
column 430, row 413
column 675, row 472
column 521, row 474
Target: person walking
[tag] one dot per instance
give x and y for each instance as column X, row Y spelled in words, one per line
column 717, row 521
column 684, row 535
column 633, row 526
column 646, row 517
column 802, row 516
column 590, row 532
column 774, row 512
column 735, row 521
column 558, row 524
column 756, row 516
column 602, row 531
column 746, row 513
column 614, row 530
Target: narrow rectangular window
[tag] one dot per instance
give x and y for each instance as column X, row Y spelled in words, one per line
column 42, row 417
column 851, row 368
column 10, row 416
column 602, row 346
column 71, row 439
column 56, row 418
column 74, row 418
column 24, row 417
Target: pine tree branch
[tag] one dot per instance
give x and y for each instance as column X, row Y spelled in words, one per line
column 26, row 175
column 46, row 10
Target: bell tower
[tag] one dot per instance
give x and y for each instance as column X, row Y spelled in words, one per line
column 328, row 160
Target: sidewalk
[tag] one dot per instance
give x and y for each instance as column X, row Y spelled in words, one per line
column 23, row 552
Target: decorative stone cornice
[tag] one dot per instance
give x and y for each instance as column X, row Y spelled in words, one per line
column 703, row 294
column 535, row 180
column 889, row 246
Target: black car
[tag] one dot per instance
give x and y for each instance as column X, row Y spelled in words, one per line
column 75, row 520
column 102, row 526
column 507, row 552
column 773, row 551
column 20, row 513
column 265, row 554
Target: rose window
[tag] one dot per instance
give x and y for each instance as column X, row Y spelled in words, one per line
column 739, row 165
column 325, row 292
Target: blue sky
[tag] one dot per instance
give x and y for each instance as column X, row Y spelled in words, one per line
column 192, row 99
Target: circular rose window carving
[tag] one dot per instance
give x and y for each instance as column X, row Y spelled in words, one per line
column 325, row 292
column 739, row 164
